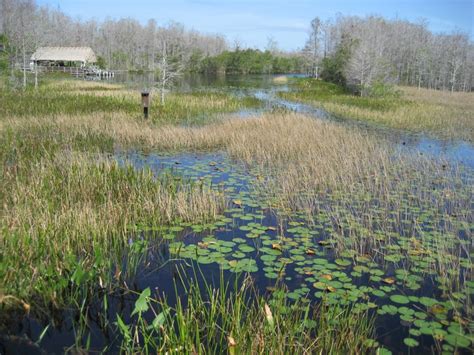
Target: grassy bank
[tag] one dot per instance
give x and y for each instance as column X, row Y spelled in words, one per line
column 440, row 113
column 68, row 97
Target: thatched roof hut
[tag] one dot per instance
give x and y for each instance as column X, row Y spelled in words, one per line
column 83, row 55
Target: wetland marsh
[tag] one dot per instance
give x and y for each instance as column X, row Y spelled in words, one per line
column 246, row 216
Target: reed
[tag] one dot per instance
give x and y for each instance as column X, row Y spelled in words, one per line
column 76, row 97
column 440, row 113
column 64, row 210
column 68, row 211
column 236, row 320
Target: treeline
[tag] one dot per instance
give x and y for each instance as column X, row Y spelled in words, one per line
column 250, row 61
column 125, row 44
column 353, row 51
column 367, row 52
column 121, row 44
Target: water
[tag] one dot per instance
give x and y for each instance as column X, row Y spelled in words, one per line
column 264, row 88
column 250, row 231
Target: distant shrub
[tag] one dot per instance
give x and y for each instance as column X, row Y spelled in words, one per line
column 380, row 89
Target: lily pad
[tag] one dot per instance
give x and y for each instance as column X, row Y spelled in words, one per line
column 410, row 342
column 399, row 299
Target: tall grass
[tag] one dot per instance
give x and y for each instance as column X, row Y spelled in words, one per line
column 66, row 210
column 233, row 319
column 64, row 203
column 371, row 194
column 441, row 113
column 75, row 97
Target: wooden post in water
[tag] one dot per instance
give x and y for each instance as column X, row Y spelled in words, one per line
column 145, row 103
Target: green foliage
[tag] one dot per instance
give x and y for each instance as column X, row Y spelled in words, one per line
column 101, row 63
column 333, row 71
column 249, row 61
column 195, row 60
column 234, row 319
column 333, row 67
column 55, row 99
column 381, row 90
column 3, row 53
column 383, row 98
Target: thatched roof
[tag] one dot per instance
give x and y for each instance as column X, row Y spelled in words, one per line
column 66, row 54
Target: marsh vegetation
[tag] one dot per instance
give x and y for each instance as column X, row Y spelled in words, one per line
column 289, row 232
column 327, row 209
column 437, row 113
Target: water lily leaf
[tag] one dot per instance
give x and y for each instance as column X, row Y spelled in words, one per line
column 271, row 275
column 342, row 262
column 437, row 309
column 410, row 342
column 294, row 295
column 399, row 299
column 276, row 246
column 439, row 334
column 238, row 255
column 203, row 245
column 268, row 257
column 378, row 293
column 383, row 351
column 237, row 202
column 389, row 280
column 458, row 340
column 390, row 309
column 427, row 301
column 371, row 343
column 246, row 248
column 319, row 285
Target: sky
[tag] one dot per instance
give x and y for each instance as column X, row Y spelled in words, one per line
column 253, row 22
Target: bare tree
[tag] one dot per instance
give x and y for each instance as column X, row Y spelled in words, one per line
column 25, row 33
column 272, row 45
column 456, row 57
column 400, row 51
column 169, row 69
column 312, row 47
column 368, row 62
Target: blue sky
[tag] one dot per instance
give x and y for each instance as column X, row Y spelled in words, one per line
column 252, row 22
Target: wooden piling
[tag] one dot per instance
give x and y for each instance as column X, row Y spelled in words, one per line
column 145, row 103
